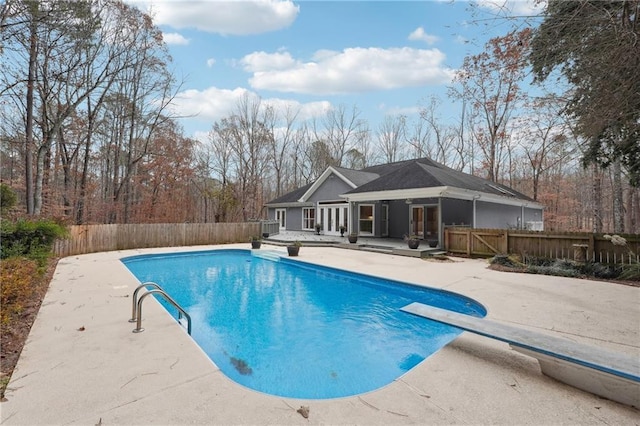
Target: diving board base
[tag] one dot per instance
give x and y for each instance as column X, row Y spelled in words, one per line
column 612, row 375
column 606, row 385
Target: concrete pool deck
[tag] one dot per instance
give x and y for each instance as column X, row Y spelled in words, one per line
column 83, row 365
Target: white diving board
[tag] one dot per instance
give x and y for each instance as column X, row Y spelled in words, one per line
column 608, row 374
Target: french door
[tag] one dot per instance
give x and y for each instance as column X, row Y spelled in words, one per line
column 332, row 216
column 416, row 221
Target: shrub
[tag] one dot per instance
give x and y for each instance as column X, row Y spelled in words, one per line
column 18, row 276
column 506, row 260
column 630, row 272
column 32, row 239
column 8, row 198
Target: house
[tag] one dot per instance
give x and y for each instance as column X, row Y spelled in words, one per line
column 417, row 197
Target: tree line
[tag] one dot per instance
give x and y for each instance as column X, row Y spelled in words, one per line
column 88, row 135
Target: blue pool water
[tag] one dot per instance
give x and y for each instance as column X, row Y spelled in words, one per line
column 296, row 330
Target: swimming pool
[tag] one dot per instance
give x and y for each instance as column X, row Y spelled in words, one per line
column 293, row 329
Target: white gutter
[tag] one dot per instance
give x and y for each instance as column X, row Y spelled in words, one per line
column 440, row 191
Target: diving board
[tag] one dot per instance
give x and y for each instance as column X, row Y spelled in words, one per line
column 608, row 374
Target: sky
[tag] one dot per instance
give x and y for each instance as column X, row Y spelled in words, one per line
column 381, row 57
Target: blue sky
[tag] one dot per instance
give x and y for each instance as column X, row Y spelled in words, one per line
column 384, row 57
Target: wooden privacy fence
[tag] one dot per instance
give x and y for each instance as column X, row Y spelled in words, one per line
column 95, row 238
column 561, row 245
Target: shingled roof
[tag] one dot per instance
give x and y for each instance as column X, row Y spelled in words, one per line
column 426, row 173
column 293, row 196
column 409, row 174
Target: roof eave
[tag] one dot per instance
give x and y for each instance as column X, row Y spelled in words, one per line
column 441, row 191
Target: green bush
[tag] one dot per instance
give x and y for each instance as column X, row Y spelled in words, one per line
column 32, row 239
column 8, row 198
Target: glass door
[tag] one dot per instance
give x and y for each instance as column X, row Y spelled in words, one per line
column 417, row 221
column 332, row 216
column 365, row 219
column 281, row 217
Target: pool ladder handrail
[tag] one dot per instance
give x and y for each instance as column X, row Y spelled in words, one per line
column 136, row 312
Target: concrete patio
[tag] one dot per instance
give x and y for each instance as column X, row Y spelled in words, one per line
column 83, row 365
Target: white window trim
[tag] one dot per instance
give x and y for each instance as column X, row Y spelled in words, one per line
column 304, row 218
column 373, row 220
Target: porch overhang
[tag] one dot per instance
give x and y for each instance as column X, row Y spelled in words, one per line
column 440, row 192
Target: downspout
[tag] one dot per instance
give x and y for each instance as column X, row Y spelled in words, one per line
column 475, row 197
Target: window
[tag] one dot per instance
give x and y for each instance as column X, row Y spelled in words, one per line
column 308, row 217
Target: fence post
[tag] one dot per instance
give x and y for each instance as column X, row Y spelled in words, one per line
column 446, row 239
column 468, row 242
column 506, row 242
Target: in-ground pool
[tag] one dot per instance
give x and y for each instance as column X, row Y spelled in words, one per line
column 297, row 330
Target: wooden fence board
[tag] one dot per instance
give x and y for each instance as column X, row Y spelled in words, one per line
column 96, row 238
column 565, row 245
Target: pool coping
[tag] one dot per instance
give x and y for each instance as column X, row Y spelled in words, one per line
column 83, row 365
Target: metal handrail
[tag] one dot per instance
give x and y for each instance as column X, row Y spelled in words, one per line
column 135, row 297
column 161, row 292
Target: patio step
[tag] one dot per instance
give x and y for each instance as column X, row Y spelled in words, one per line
column 377, row 249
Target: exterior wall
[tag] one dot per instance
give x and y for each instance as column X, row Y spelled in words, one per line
column 497, row 216
column 399, row 215
column 330, row 190
column 294, row 219
column 398, row 218
column 457, row 212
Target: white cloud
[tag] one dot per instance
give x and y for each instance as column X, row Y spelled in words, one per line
column 211, row 62
column 513, row 7
column 263, row 61
column 350, row 71
column 175, row 38
column 223, row 17
column 419, row 35
column 213, row 104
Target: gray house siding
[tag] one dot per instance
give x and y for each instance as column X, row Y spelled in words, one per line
column 497, row 216
column 398, row 218
column 330, row 190
column 294, row 219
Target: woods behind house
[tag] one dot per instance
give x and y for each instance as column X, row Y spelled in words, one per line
column 89, row 131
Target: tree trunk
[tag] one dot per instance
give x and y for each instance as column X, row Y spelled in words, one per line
column 597, row 198
column 28, row 149
column 618, row 202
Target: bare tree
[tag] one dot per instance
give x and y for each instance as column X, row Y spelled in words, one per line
column 391, row 136
column 341, row 128
column 489, row 81
column 541, row 136
column 283, row 137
